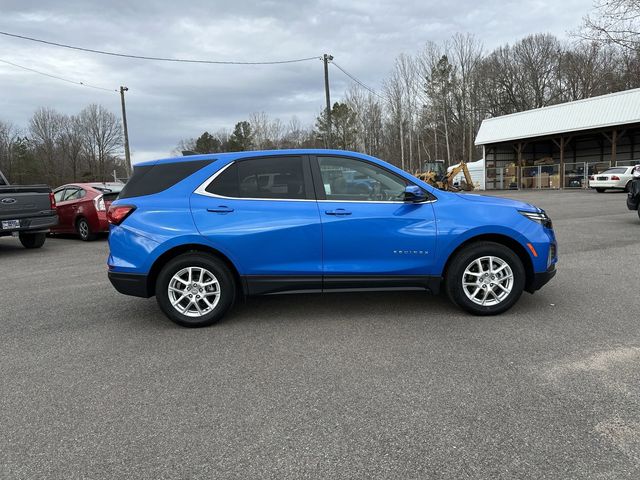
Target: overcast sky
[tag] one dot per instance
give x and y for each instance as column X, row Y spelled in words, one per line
column 167, row 102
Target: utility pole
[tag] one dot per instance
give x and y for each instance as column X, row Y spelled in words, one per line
column 127, row 155
column 326, row 59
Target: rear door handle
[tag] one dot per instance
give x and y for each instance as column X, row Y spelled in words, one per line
column 220, row 209
column 338, row 212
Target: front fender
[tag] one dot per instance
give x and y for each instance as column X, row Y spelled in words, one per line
column 457, row 227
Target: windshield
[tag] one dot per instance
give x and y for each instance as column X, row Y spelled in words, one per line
column 615, row 170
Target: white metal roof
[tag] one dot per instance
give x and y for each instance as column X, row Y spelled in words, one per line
column 618, row 108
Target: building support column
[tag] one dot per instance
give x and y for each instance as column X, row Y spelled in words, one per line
column 561, row 176
column 560, row 146
column 519, row 147
column 613, row 140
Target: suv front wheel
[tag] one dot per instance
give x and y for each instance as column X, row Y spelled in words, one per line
column 485, row 278
column 195, row 289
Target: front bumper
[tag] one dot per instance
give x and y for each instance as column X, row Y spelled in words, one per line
column 132, row 284
column 541, row 279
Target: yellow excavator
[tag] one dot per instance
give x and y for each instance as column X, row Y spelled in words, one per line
column 436, row 175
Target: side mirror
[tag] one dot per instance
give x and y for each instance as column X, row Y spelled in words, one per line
column 414, row 194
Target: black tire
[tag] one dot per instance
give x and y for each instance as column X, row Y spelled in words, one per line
column 600, row 190
column 627, row 187
column 84, row 230
column 226, row 282
column 32, row 240
column 455, row 273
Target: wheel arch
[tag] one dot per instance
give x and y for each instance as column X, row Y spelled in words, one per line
column 190, row 248
column 505, row 240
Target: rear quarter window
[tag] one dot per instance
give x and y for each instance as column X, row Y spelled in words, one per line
column 150, row 179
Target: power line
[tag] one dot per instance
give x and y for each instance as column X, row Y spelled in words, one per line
column 57, row 77
column 160, row 59
column 352, row 77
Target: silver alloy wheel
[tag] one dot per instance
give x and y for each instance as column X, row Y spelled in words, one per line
column 194, row 291
column 83, row 227
column 487, row 281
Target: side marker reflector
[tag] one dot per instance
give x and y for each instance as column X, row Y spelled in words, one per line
column 533, row 250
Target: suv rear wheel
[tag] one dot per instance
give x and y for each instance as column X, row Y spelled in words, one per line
column 195, row 289
column 485, row 278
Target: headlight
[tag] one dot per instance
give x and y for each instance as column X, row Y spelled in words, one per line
column 539, row 217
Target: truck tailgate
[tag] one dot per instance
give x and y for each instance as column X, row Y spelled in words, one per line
column 22, row 201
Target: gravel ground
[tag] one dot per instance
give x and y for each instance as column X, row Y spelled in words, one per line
column 94, row 384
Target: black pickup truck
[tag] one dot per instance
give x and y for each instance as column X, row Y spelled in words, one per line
column 27, row 211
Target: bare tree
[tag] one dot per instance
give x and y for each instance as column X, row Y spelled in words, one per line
column 45, row 129
column 614, row 21
column 260, row 127
column 8, row 137
column 72, row 144
column 466, row 53
column 394, row 93
column 102, row 135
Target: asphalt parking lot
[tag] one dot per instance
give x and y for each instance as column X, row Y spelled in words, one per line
column 94, row 384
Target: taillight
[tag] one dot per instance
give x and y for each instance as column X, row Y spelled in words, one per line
column 117, row 213
column 615, row 177
column 590, row 177
column 52, row 201
column 98, row 202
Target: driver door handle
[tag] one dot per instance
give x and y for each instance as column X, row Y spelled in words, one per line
column 338, row 212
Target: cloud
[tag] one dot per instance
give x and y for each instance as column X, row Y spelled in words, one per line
column 167, row 102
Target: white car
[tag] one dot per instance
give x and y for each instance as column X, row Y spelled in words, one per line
column 618, row 178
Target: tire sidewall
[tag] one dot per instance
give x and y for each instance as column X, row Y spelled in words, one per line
column 216, row 267
column 453, row 281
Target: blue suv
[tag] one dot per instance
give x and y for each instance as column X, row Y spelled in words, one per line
column 200, row 231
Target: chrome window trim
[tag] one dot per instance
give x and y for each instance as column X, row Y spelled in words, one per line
column 202, row 190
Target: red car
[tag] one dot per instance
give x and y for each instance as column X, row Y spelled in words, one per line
column 82, row 208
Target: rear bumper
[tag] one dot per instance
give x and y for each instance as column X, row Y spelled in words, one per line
column 607, row 184
column 102, row 224
column 33, row 225
column 132, row 284
column 541, row 279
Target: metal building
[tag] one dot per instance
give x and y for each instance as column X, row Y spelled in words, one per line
column 561, row 145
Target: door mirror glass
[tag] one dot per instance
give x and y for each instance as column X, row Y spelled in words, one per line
column 413, row 193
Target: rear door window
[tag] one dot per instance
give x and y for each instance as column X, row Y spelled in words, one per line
column 73, row 194
column 263, row 178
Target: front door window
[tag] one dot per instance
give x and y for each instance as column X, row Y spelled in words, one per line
column 356, row 180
